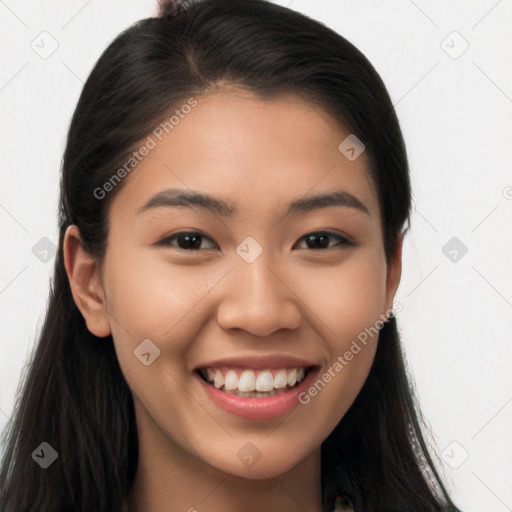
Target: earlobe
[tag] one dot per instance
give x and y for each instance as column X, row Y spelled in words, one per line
column 83, row 276
column 394, row 273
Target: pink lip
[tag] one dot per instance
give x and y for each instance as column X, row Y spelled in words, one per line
column 253, row 408
column 259, row 362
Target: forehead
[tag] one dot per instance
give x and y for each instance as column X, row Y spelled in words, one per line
column 255, row 153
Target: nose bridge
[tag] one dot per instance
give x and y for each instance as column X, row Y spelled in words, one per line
column 256, row 299
column 258, row 281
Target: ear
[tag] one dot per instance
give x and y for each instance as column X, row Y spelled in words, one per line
column 394, row 273
column 84, row 280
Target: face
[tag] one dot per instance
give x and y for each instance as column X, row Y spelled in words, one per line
column 247, row 296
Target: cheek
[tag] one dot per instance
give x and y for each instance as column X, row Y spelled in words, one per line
column 348, row 298
column 351, row 306
column 157, row 300
column 348, row 301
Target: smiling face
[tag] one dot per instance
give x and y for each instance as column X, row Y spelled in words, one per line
column 242, row 282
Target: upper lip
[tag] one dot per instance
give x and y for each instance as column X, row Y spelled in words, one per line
column 260, row 362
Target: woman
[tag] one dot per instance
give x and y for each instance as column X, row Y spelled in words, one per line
column 220, row 331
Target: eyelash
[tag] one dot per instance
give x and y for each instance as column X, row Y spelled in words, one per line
column 343, row 241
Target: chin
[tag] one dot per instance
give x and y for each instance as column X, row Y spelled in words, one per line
column 253, row 464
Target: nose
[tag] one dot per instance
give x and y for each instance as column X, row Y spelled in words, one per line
column 258, row 299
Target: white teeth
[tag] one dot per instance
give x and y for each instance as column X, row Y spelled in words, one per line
column 247, row 382
column 251, row 383
column 218, row 381
column 281, row 379
column 231, row 381
column 264, row 382
column 292, row 377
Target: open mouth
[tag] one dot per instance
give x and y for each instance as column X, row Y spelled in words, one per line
column 250, row 383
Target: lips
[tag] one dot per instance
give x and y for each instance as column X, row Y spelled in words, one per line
column 260, row 362
column 255, row 405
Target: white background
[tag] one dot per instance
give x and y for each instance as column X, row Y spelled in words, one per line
column 456, row 116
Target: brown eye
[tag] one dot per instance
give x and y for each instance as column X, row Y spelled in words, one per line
column 321, row 240
column 187, row 241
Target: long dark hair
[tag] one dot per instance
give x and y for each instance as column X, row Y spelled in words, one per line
column 74, row 396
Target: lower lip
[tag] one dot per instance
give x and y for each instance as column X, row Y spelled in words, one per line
column 253, row 408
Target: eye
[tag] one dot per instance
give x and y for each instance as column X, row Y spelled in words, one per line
column 191, row 240
column 187, row 240
column 320, row 240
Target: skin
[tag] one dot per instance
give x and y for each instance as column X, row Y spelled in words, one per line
column 295, row 298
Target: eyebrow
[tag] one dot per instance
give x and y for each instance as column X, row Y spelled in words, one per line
column 186, row 198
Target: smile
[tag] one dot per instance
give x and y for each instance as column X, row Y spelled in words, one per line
column 255, row 394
